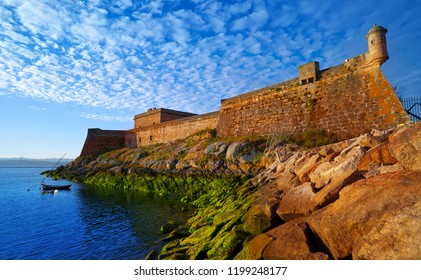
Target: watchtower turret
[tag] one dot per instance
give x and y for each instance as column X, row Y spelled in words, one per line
column 377, row 48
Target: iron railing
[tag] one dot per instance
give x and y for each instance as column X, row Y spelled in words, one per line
column 412, row 106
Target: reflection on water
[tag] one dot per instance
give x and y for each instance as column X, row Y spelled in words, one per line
column 83, row 223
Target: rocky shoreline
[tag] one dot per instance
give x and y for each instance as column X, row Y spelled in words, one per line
column 266, row 199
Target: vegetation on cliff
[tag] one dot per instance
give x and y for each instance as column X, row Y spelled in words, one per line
column 272, row 199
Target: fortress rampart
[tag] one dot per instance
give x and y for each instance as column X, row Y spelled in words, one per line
column 100, row 141
column 175, row 129
column 348, row 100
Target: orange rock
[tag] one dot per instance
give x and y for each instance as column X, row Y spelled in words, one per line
column 303, row 169
column 405, row 146
column 380, row 154
column 284, row 181
column 303, row 200
column 367, row 205
column 345, row 162
column 292, row 243
column 397, row 236
column 297, row 202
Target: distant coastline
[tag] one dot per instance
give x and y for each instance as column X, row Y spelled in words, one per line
column 29, row 162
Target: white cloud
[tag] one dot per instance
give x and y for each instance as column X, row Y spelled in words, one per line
column 35, row 108
column 155, row 7
column 254, row 20
column 240, row 8
column 41, row 18
column 105, row 117
column 118, row 6
column 129, row 55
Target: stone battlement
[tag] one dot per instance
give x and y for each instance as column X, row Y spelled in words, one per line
column 348, row 100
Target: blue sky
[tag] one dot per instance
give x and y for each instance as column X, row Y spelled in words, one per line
column 69, row 65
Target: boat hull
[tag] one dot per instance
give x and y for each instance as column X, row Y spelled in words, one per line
column 55, row 187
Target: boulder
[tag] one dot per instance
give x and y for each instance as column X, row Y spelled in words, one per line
column 233, row 150
column 369, row 140
column 397, row 236
column 228, row 246
column 326, row 150
column 245, row 167
column 297, row 202
column 200, row 236
column 378, row 169
column 177, row 233
column 330, row 192
column 253, row 250
column 171, row 164
column 217, row 148
column 255, row 221
column 303, row 169
column 284, row 180
column 382, row 135
column 303, row 200
column 117, row 170
column 378, row 155
column 168, row 227
column 343, row 163
column 139, row 156
column 405, row 146
column 213, row 165
column 292, row 242
column 291, row 162
column 153, row 255
column 363, row 207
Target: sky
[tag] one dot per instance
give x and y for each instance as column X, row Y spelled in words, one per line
column 70, row 65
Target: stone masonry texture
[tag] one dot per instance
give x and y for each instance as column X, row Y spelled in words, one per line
column 348, row 102
column 176, row 129
column 101, row 141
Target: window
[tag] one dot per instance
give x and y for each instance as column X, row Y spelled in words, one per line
column 311, row 80
column 150, row 138
column 140, row 139
column 303, row 82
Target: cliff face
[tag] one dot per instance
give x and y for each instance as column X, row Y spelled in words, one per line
column 265, row 199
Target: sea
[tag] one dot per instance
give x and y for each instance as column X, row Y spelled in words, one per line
column 84, row 223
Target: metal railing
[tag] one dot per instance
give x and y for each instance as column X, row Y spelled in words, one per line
column 412, row 106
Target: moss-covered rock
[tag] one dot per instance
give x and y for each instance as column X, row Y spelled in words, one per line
column 168, row 227
column 229, row 245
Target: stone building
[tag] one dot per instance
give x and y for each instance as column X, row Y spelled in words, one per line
column 348, row 100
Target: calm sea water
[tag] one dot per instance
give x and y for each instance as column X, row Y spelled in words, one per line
column 83, row 223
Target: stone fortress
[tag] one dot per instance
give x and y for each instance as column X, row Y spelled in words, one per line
column 347, row 100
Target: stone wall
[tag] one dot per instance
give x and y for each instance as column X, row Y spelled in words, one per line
column 147, row 120
column 176, row 129
column 101, row 141
column 158, row 115
column 347, row 100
